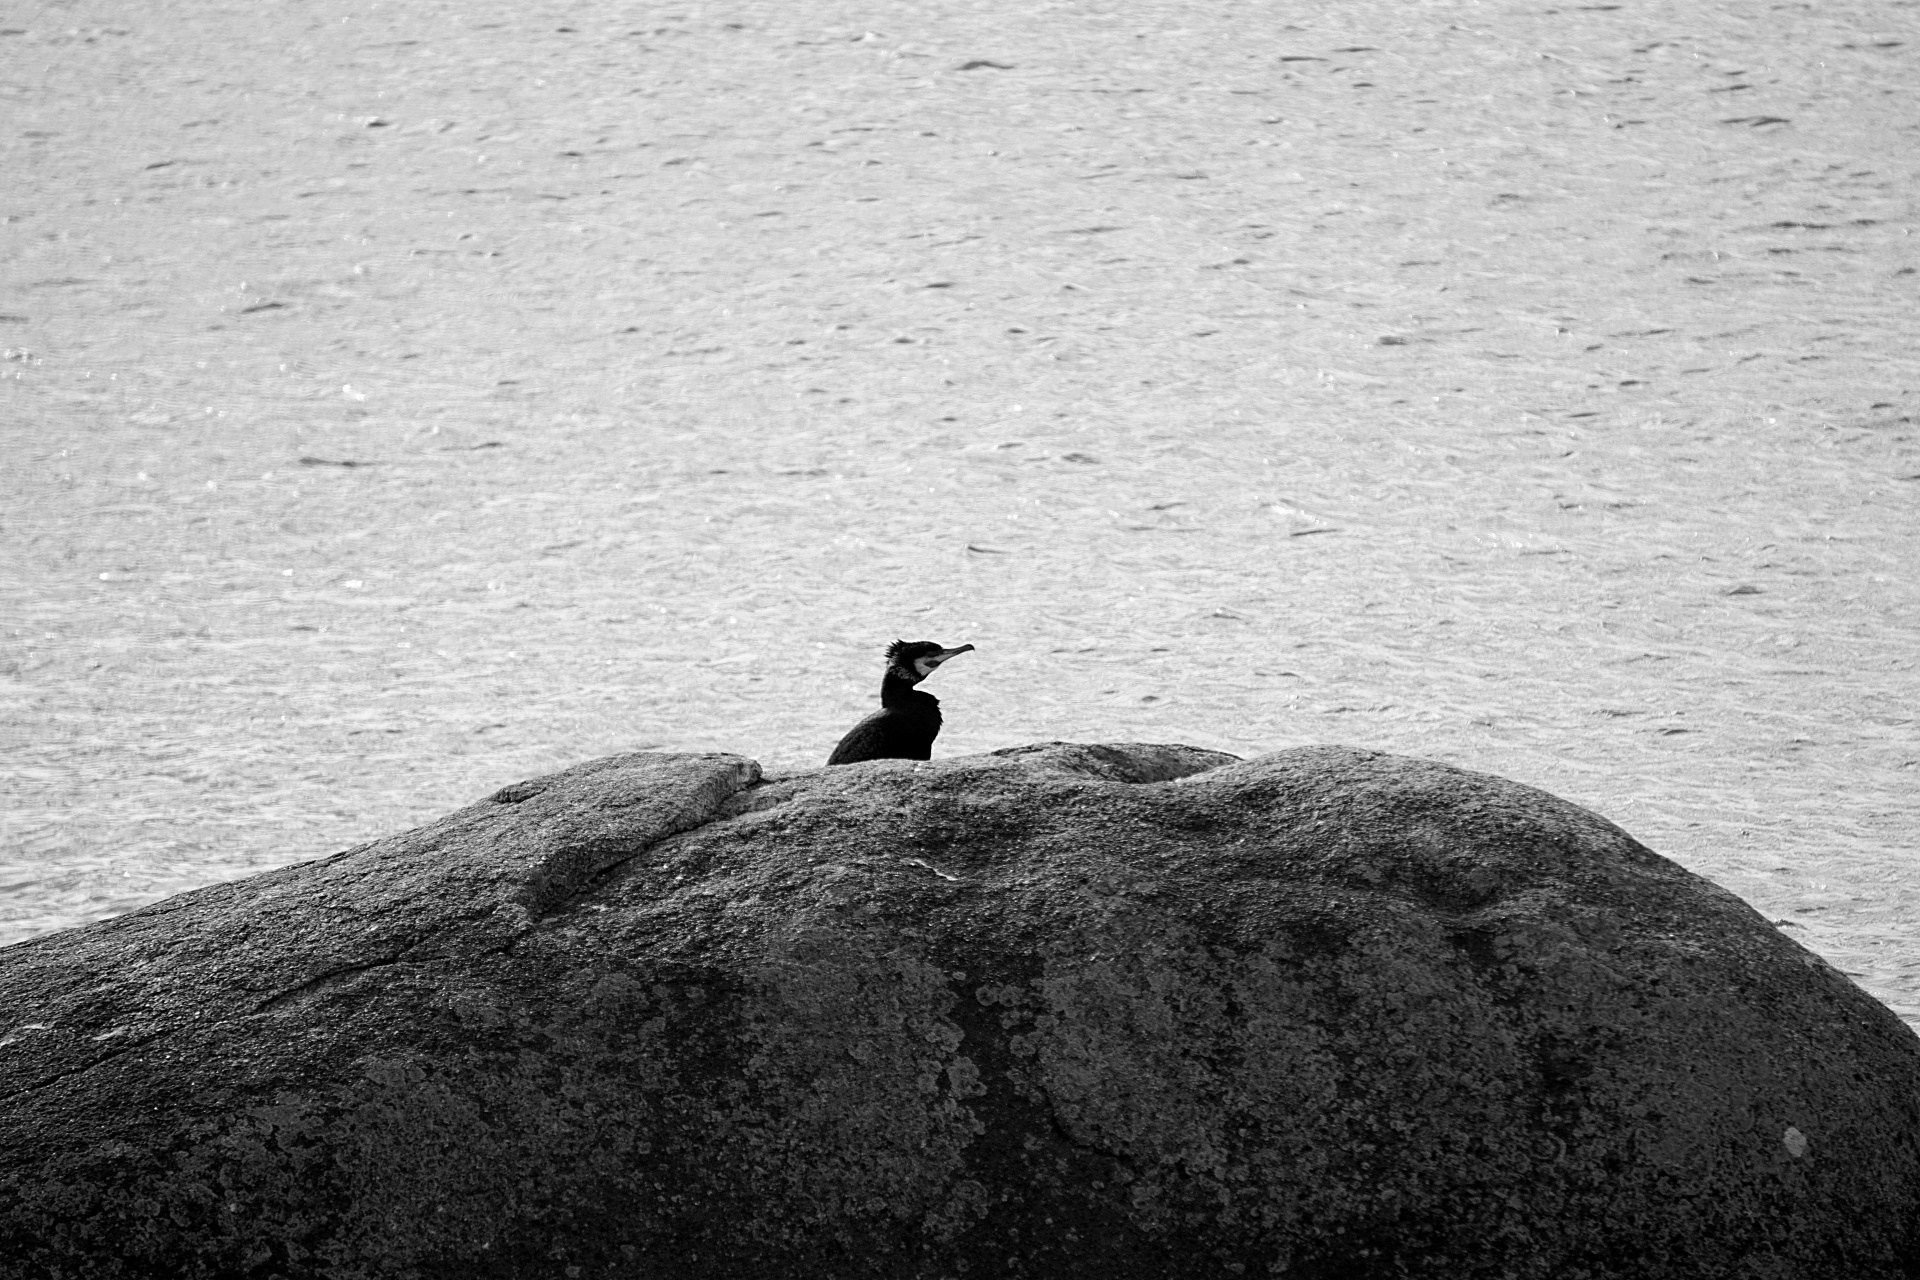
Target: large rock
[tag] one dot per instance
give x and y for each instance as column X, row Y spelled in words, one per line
column 1115, row 1011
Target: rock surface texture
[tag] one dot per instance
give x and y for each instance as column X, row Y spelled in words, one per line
column 1113, row 1011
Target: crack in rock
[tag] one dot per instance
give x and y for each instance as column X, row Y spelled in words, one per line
column 327, row 979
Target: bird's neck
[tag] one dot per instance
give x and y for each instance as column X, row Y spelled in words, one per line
column 897, row 689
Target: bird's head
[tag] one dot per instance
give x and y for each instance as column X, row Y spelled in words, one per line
column 914, row 660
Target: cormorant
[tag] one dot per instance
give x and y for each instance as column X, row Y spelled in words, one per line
column 908, row 720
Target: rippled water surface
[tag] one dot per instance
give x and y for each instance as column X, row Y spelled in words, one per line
column 403, row 399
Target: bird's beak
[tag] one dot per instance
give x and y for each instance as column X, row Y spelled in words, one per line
column 934, row 660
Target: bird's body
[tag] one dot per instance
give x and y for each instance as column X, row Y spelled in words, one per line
column 903, row 731
column 908, row 720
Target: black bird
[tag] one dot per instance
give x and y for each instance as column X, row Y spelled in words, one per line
column 908, row 720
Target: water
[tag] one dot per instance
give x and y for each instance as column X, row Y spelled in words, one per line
column 1531, row 390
